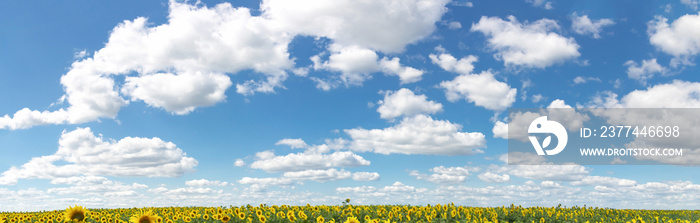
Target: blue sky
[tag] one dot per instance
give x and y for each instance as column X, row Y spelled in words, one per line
column 156, row 103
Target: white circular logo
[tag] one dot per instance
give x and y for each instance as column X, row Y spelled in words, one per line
column 542, row 125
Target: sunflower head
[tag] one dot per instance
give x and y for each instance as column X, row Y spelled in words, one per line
column 352, row 220
column 145, row 217
column 75, row 214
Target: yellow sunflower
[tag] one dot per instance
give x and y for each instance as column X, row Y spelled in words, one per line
column 75, row 214
column 145, row 217
column 225, row 218
column 352, row 220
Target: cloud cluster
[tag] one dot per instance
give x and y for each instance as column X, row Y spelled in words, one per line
column 196, row 49
column 481, row 89
column 680, row 39
column 530, row 45
column 585, row 26
column 405, row 103
column 88, row 155
column 418, row 134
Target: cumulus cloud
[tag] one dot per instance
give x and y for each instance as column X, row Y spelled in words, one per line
column 604, row 181
column 541, row 3
column 536, row 168
column 500, row 130
column 419, row 134
column 386, row 26
column 445, row 175
column 319, row 175
column 449, row 63
column 490, row 177
column 90, row 155
column 193, row 90
column 677, row 94
column 180, row 54
column 694, row 4
column 645, row 71
column 405, row 103
column 454, row 25
column 481, row 89
column 239, row 163
column 205, row 183
column 526, row 44
column 680, row 39
column 547, row 172
column 307, row 161
column 294, row 143
column 261, row 184
column 356, row 65
column 583, row 80
column 365, row 176
column 183, row 54
column 406, row 74
column 585, row 26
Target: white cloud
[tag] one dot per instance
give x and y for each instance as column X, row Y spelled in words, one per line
column 170, row 55
column 239, row 163
column 585, row 26
column 310, row 161
column 445, row 175
column 294, row 143
column 449, row 63
column 362, row 189
column 193, row 90
column 490, row 177
column 644, row 72
column 537, row 98
column 26, row 118
column 681, row 38
column 365, row 176
column 386, row 26
column 605, row 181
column 481, row 89
column 405, row 103
column 80, row 180
column 541, row 3
column 547, row 172
column 418, row 135
column 266, row 181
column 677, row 94
column 191, row 192
column 106, row 188
column 693, row 4
column 500, row 130
column 535, row 167
column 583, row 80
column 454, row 25
column 87, row 154
column 398, row 187
column 183, row 46
column 356, row 64
column 319, row 175
column 526, row 44
column 205, row 183
column 406, row 74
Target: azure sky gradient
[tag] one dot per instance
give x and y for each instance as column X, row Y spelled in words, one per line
column 157, row 103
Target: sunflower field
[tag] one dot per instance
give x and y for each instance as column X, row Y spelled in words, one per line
column 347, row 213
